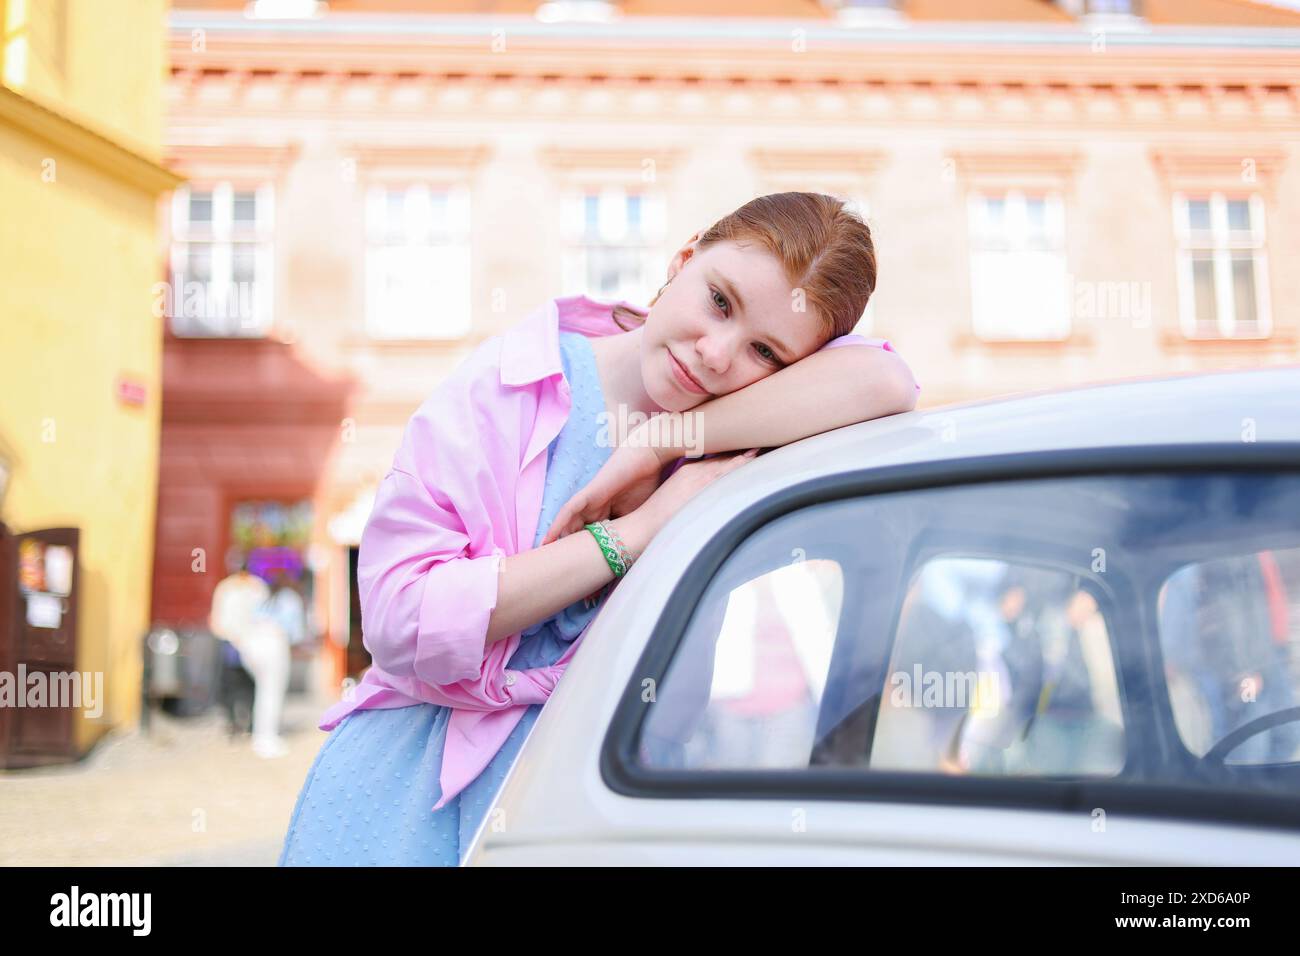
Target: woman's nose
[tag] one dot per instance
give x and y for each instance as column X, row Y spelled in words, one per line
column 714, row 354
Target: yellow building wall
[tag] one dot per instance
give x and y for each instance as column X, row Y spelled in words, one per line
column 79, row 257
column 102, row 62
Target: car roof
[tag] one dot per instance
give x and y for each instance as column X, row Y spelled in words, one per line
column 1260, row 404
column 1204, row 408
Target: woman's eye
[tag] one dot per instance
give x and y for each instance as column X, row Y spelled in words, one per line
column 723, row 306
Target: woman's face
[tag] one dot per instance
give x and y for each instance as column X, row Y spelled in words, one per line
column 728, row 316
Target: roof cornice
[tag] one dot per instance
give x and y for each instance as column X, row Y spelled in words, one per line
column 67, row 135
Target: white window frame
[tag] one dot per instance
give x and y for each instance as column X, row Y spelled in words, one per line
column 33, row 42
column 995, row 315
column 1222, row 246
column 429, row 259
column 612, row 233
column 1087, row 13
column 869, row 13
column 1131, row 8
column 224, row 311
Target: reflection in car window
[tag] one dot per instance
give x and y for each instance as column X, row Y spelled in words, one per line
column 1052, row 613
column 770, row 660
column 1228, row 633
column 999, row 668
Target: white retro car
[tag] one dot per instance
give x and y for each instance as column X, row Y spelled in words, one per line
column 1061, row 628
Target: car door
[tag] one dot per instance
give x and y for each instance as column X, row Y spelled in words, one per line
column 974, row 662
column 988, row 670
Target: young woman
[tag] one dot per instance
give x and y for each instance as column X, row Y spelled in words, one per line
column 484, row 561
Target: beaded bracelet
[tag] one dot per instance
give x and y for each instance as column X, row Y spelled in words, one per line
column 623, row 551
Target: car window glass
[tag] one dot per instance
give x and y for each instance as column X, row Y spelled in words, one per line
column 999, row 668
column 1228, row 634
column 766, row 671
column 1058, row 606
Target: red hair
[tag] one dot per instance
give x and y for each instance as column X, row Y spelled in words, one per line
column 824, row 248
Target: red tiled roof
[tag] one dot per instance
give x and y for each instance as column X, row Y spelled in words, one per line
column 1242, row 13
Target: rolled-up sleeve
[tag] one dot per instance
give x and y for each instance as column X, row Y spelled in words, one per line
column 850, row 338
column 425, row 604
column 908, row 385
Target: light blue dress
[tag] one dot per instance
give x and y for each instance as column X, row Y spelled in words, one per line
column 368, row 795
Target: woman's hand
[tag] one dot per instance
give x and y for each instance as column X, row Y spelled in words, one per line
column 624, row 482
column 684, row 484
column 628, row 484
column 628, row 478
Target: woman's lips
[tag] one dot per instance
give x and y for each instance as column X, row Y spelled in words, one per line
column 684, row 377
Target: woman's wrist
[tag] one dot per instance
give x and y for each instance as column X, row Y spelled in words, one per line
column 657, row 435
column 636, row 530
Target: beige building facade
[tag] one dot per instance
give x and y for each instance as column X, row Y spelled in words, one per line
column 1060, row 193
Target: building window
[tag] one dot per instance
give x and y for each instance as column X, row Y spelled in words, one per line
column 221, row 260
column 577, row 11
column 872, row 13
column 613, row 239
column 33, row 49
column 1129, row 8
column 417, row 261
column 1222, row 267
column 1017, row 262
column 1102, row 8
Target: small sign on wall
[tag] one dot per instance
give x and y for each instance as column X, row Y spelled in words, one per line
column 131, row 391
column 44, row 610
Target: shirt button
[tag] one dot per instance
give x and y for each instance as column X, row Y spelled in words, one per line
column 510, row 679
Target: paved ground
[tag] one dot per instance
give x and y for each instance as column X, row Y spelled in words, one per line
column 185, row 794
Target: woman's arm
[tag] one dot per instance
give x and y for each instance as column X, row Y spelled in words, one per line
column 834, row 386
column 825, row 390
column 431, row 612
column 536, row 584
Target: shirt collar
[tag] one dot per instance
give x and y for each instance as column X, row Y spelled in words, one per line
column 530, row 351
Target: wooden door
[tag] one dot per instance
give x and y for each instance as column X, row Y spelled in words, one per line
column 42, row 585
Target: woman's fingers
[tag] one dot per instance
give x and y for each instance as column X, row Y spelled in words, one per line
column 557, row 526
column 576, row 513
column 735, row 461
column 560, row 528
column 592, row 504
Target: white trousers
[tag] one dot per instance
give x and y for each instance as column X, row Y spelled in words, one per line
column 265, row 654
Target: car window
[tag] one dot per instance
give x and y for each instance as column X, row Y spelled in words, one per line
column 999, row 668
column 769, row 657
column 1227, row 631
column 1002, row 629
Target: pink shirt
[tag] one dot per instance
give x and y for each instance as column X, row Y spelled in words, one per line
column 464, row 491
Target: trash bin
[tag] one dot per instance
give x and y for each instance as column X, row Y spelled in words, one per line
column 162, row 663
column 182, row 669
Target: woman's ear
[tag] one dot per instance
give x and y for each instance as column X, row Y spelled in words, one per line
column 685, row 252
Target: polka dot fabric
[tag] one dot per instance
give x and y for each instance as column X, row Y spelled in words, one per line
column 367, row 797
